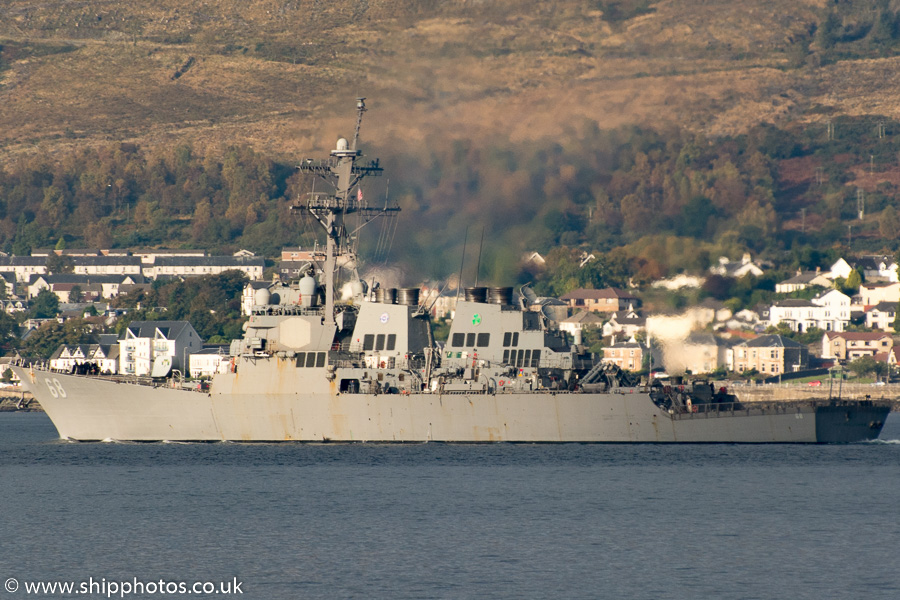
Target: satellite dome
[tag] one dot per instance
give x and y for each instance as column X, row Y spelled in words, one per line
column 342, row 144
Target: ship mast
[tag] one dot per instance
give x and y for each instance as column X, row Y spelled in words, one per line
column 329, row 210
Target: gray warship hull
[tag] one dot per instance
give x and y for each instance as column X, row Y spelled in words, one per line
column 89, row 409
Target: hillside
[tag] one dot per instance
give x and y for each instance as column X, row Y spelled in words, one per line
column 506, row 103
column 271, row 73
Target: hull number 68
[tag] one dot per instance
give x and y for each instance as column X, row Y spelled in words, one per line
column 55, row 387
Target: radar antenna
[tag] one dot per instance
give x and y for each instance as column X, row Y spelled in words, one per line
column 343, row 173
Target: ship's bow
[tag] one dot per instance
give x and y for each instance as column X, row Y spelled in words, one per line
column 850, row 422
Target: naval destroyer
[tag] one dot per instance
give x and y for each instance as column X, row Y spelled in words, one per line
column 312, row 367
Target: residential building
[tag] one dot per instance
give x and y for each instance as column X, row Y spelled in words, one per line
column 625, row 322
column 148, row 256
column 186, row 266
column 882, row 316
column 143, row 341
column 581, row 321
column 803, row 280
column 626, row 355
column 877, row 268
column 606, row 300
column 850, row 345
column 104, row 356
column 841, row 268
column 873, row 293
column 23, row 267
column 829, row 311
column 106, row 265
column 736, row 269
column 92, row 286
column 208, row 361
column 770, row 355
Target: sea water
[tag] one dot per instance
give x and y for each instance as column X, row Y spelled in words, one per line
column 448, row 521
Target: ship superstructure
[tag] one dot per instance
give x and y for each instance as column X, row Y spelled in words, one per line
column 311, row 367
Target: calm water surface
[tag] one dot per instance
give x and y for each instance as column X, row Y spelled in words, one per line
column 454, row 521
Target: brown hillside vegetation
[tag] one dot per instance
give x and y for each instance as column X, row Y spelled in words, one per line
column 280, row 75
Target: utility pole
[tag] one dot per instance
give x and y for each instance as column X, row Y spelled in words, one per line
column 803, row 220
column 860, row 203
column 829, row 129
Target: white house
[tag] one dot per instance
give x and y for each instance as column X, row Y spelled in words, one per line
column 841, row 268
column 206, row 362
column 580, row 321
column 882, row 316
column 736, row 269
column 23, row 267
column 187, row 266
column 106, row 265
column 143, row 341
column 104, row 356
column 802, row 280
column 829, row 311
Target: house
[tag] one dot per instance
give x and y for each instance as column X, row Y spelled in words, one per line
column 873, row 293
column 188, row 266
column 802, row 280
column 92, row 286
column 626, row 355
column 770, row 354
column 301, row 255
column 841, row 268
column 850, row 345
column 829, row 311
column 627, row 322
column 23, row 267
column 736, row 269
column 882, row 316
column 104, row 356
column 143, row 342
column 8, row 281
column 106, row 265
column 208, row 361
column 580, row 321
column 877, row 268
column 605, row 300
column 148, row 256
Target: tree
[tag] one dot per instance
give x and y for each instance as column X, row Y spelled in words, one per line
column 866, row 364
column 45, row 305
column 75, row 294
column 57, row 264
column 897, row 319
column 854, row 280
